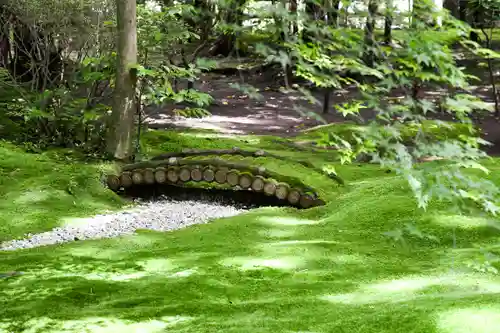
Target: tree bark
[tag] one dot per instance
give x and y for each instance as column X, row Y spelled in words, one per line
column 121, row 125
column 226, row 43
column 388, row 22
column 462, row 10
column 333, row 13
column 4, row 37
column 314, row 12
column 453, row 6
column 369, row 54
column 294, row 29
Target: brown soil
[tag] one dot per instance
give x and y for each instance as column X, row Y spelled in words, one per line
column 285, row 114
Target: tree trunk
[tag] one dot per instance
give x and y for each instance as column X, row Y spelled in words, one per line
column 333, row 13
column 294, row 29
column 314, row 12
column 453, row 6
column 4, row 37
column 462, row 10
column 369, row 54
column 388, row 22
column 226, row 43
column 121, row 126
column 491, row 69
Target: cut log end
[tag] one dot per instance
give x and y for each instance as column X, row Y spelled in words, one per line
column 282, row 191
column 196, row 174
column 149, row 176
column 173, row 175
column 245, row 181
column 270, row 187
column 184, row 174
column 233, row 178
column 293, row 197
column 161, row 175
column 221, row 176
column 113, row 182
column 306, row 201
column 126, row 179
column 258, row 183
column 208, row 175
column 137, row 177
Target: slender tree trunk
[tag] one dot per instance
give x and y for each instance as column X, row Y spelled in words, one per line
column 453, row 6
column 388, row 22
column 494, row 88
column 332, row 12
column 226, row 43
column 462, row 10
column 314, row 13
column 4, row 37
column 369, row 55
column 121, row 126
column 294, row 29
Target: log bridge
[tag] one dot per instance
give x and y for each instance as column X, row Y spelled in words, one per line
column 219, row 169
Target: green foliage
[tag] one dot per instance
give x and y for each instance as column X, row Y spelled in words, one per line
column 266, row 256
column 74, row 114
column 37, row 191
column 191, row 112
column 164, row 33
column 60, row 116
column 400, row 134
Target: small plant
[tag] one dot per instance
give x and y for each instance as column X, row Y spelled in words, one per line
column 490, row 17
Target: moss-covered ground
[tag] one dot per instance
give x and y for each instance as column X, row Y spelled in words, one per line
column 343, row 267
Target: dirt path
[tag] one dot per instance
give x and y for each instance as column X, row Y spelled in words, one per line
column 233, row 112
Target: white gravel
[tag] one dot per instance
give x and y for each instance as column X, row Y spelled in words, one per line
column 159, row 215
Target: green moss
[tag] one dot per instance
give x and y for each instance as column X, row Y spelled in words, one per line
column 433, row 130
column 38, row 191
column 328, row 269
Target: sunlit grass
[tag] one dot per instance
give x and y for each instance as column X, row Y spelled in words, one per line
column 36, row 192
column 470, row 320
column 327, row 269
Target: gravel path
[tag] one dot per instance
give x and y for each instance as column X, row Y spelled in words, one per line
column 160, row 215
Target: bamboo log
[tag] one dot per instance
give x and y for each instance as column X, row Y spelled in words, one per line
column 233, row 177
column 184, row 174
column 126, row 179
column 221, row 175
column 282, row 190
column 196, row 174
column 245, row 180
column 270, row 187
column 208, row 174
column 173, row 174
column 113, row 182
column 245, row 153
column 161, row 175
column 137, row 177
column 258, row 183
column 220, row 164
column 293, row 196
column 149, row 176
column 217, row 163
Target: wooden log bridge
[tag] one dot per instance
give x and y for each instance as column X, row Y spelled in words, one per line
column 246, row 153
column 179, row 171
